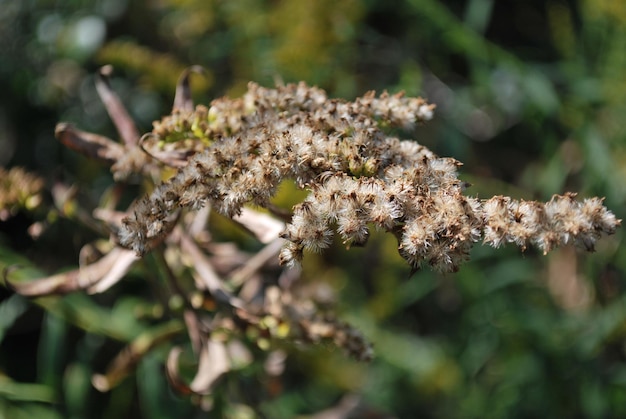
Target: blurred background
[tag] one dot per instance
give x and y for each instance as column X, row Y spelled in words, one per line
column 531, row 97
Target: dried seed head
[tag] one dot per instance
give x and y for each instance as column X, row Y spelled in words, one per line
column 357, row 176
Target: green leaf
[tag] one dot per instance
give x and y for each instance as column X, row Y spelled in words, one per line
column 25, row 392
column 10, row 310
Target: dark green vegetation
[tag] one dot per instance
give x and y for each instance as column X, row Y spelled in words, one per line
column 531, row 98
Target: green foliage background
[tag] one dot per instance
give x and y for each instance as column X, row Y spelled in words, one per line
column 531, row 97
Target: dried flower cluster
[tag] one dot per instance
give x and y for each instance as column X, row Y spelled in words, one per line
column 358, row 176
column 227, row 298
column 233, row 156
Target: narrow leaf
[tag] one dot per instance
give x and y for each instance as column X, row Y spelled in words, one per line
column 116, row 110
column 110, row 268
column 91, row 145
column 183, row 100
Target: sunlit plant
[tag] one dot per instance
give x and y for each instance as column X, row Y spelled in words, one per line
column 231, row 158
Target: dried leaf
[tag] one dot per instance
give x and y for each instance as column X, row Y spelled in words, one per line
column 91, row 145
column 109, row 269
column 205, row 275
column 262, row 226
column 183, row 100
column 116, row 110
column 193, row 330
column 124, row 260
column 214, row 363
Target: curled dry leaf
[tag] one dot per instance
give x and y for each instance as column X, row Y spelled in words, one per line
column 96, row 277
column 212, row 364
column 183, row 100
column 94, row 146
column 120, row 267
